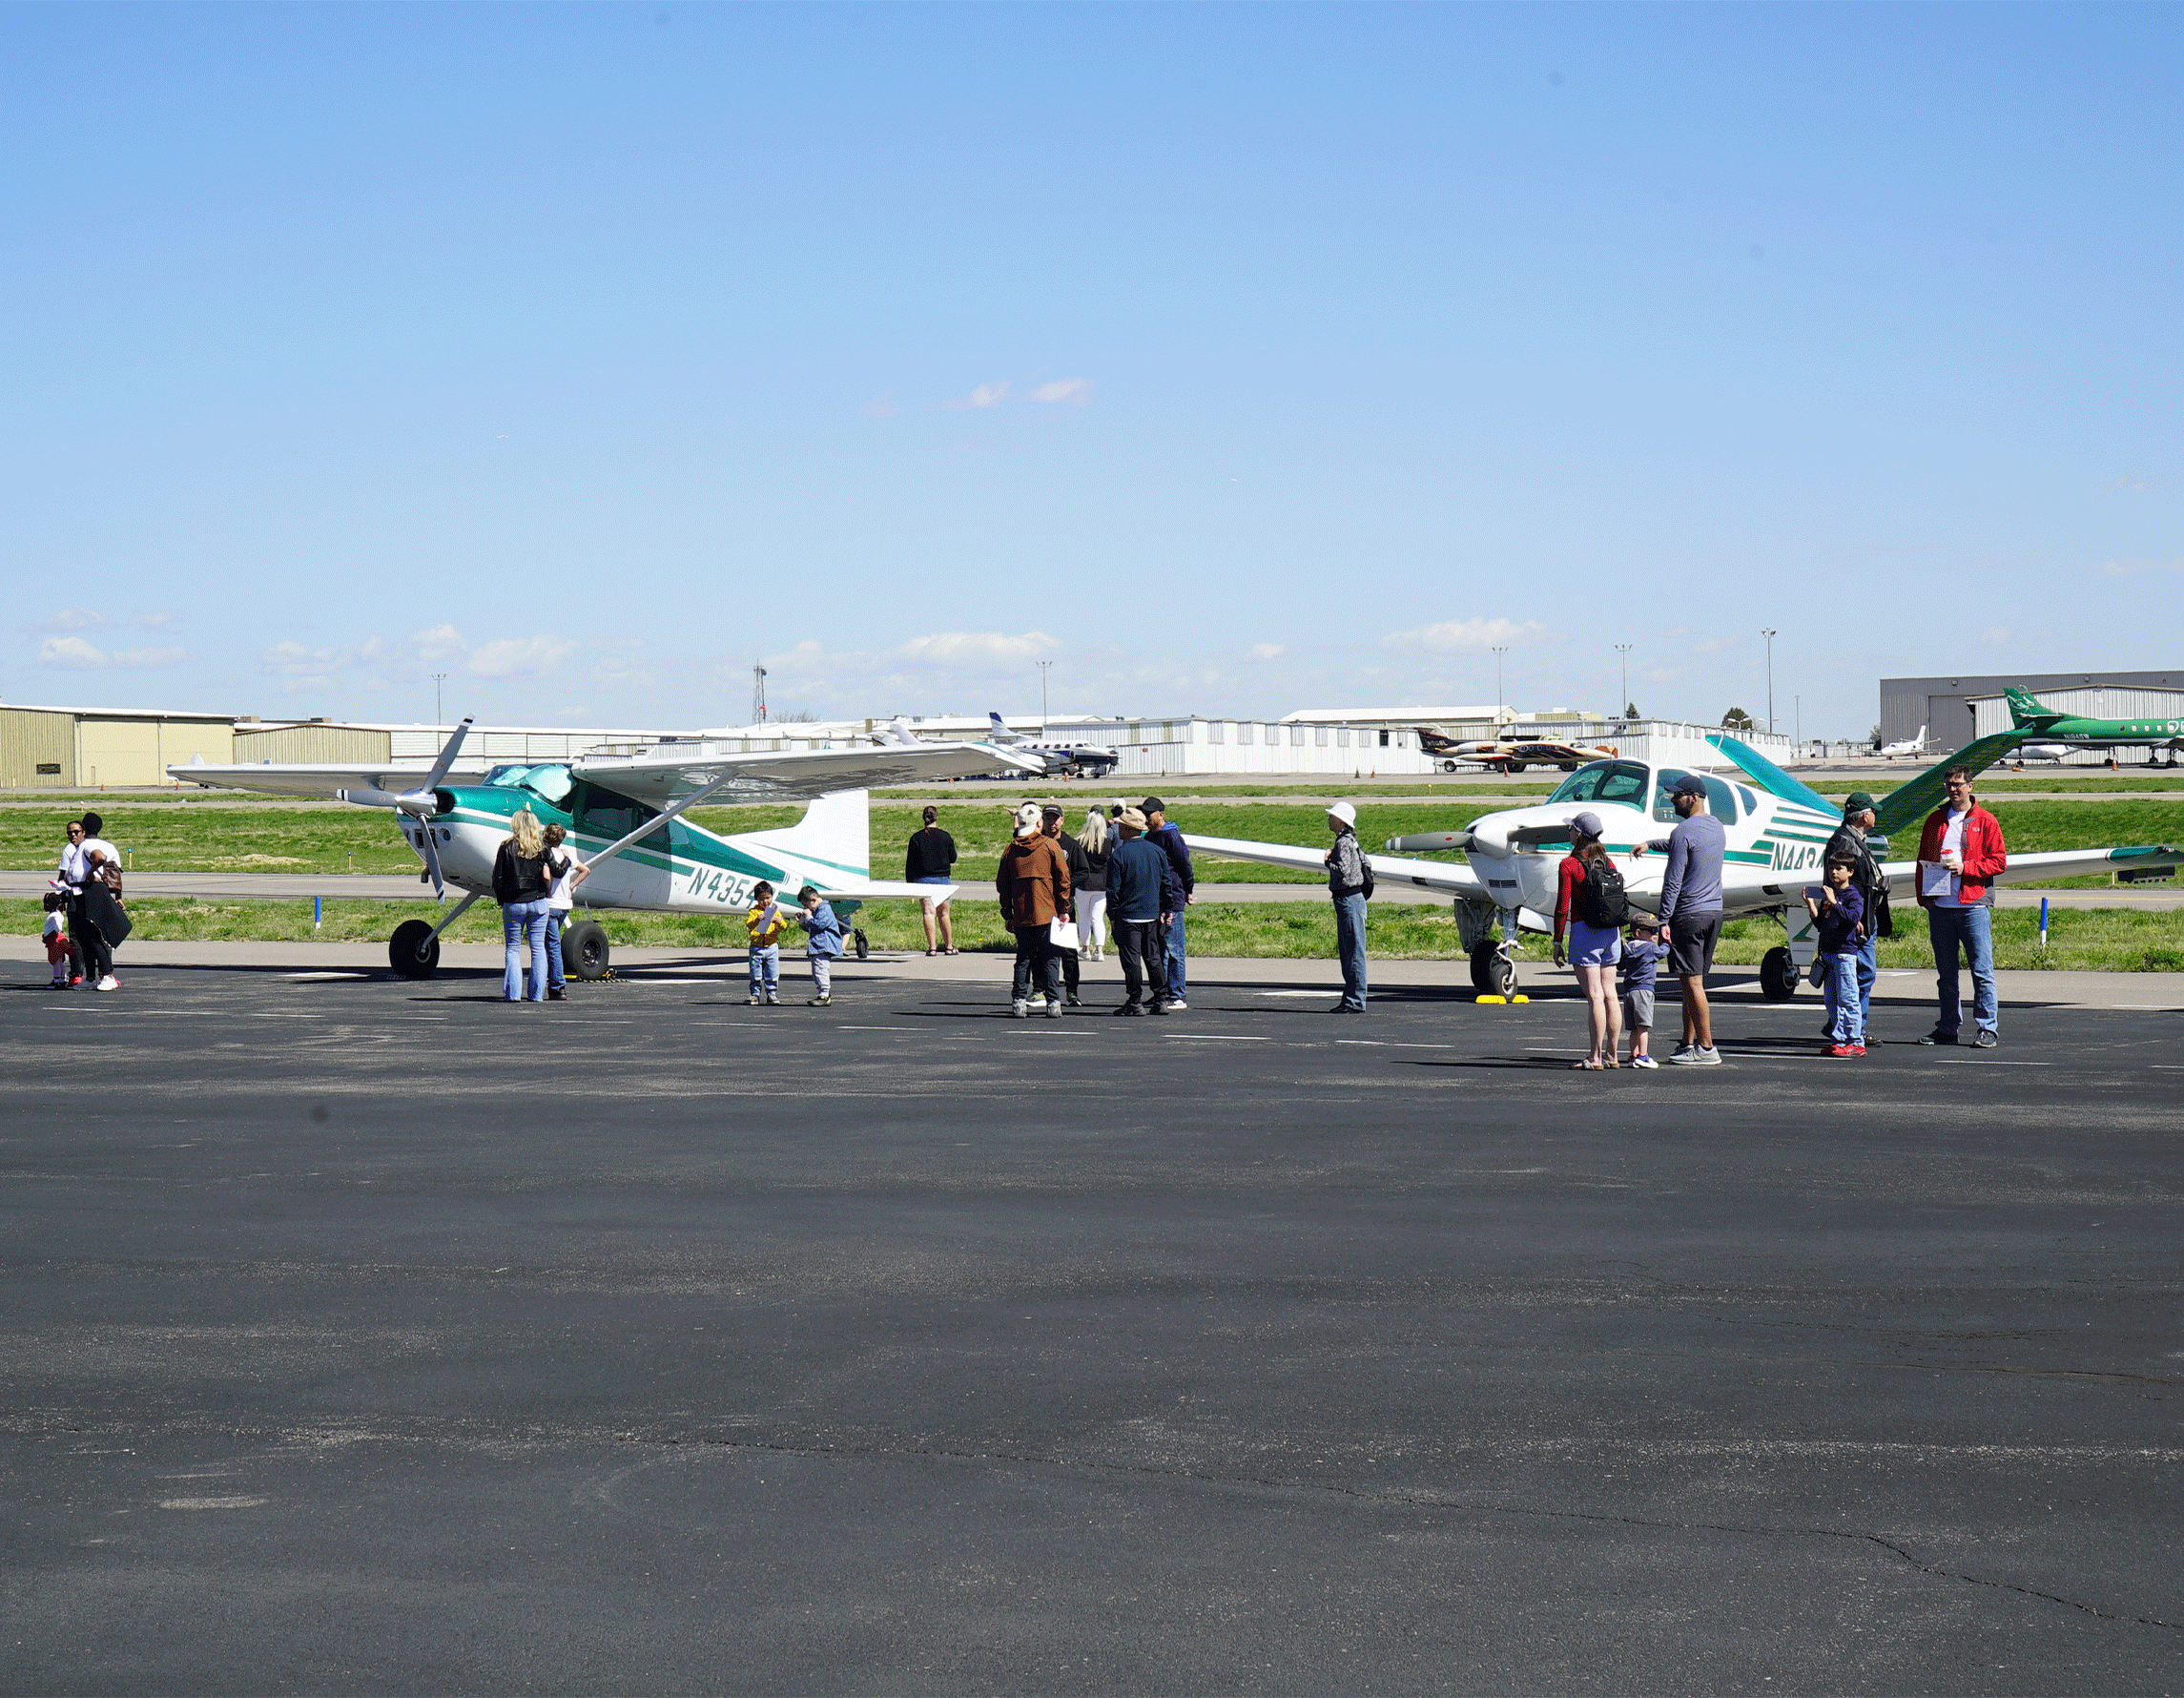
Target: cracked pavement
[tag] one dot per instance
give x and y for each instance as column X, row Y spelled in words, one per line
column 371, row 1336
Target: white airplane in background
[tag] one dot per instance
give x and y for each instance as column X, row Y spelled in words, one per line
column 1085, row 759
column 624, row 818
column 1776, row 829
column 1914, row 746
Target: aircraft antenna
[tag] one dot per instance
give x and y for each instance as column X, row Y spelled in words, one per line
column 757, row 694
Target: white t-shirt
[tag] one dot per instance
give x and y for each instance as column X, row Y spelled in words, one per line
column 75, row 860
column 1952, row 838
column 559, row 897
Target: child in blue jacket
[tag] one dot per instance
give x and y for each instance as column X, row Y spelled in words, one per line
column 1638, row 969
column 823, row 946
column 1839, row 915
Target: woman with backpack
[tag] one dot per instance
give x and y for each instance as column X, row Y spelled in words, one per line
column 1589, row 913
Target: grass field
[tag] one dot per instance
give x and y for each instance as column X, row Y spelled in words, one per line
column 275, row 839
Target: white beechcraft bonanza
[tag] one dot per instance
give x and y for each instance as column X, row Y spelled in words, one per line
column 1775, row 833
column 622, row 813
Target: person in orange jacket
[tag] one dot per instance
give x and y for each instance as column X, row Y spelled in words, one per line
column 1961, row 851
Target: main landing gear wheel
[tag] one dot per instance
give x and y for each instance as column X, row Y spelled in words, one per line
column 584, row 950
column 413, row 951
column 1492, row 972
column 1778, row 975
column 863, row 943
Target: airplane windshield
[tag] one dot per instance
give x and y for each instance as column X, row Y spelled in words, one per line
column 550, row 783
column 1604, row 781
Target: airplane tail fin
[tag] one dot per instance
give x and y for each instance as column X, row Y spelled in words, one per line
column 835, row 831
column 1767, row 776
column 2027, row 711
column 998, row 729
column 1922, row 794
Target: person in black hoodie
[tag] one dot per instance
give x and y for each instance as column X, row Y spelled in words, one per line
column 523, row 886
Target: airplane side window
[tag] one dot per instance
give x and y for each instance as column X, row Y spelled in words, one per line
column 1663, row 803
column 1719, row 801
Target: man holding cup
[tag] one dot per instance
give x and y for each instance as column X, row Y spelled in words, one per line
column 1960, row 852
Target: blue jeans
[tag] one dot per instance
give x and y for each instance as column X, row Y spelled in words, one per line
column 766, row 970
column 1350, row 946
column 1172, row 957
column 555, row 980
column 1975, row 929
column 1868, row 970
column 1845, row 1013
column 521, row 923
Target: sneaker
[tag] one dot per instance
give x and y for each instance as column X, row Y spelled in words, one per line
column 820, row 1002
column 1695, row 1058
column 1019, row 1011
column 1158, row 1009
column 753, row 1000
column 109, row 983
column 1034, row 1003
column 1346, row 1008
column 1937, row 1039
column 1075, row 1001
column 1841, row 1052
column 1643, row 1061
column 1054, row 1010
column 1176, row 1006
column 1132, row 1010
column 773, row 997
column 557, row 995
column 1858, row 1050
column 1985, row 1041
column 1683, row 1051
column 76, row 982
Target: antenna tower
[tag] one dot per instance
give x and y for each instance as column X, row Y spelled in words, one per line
column 758, row 695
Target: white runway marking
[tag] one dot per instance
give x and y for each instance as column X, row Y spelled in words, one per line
column 1390, row 1044
column 305, row 978
column 212, row 1502
column 1219, row 1038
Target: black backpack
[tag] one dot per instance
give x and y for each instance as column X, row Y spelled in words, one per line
column 1603, row 899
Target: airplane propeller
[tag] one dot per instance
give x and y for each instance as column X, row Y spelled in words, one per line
column 417, row 804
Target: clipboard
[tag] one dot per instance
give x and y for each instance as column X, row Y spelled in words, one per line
column 1935, row 878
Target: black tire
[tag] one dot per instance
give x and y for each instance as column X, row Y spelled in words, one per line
column 1492, row 972
column 585, row 950
column 864, row 948
column 1778, row 975
column 413, row 951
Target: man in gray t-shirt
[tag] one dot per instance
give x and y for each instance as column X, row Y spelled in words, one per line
column 1691, row 913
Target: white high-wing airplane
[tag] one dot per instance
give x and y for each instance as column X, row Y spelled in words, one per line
column 1775, row 828
column 623, row 816
column 1909, row 748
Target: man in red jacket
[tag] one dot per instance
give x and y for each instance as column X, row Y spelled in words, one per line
column 1960, row 852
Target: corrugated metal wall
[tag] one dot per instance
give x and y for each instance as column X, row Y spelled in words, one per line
column 29, row 739
column 344, row 744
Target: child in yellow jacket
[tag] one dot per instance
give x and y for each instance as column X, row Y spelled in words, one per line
column 766, row 921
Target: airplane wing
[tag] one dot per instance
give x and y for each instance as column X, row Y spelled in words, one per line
column 323, row 778
column 661, row 776
column 1454, row 878
column 1923, row 794
column 1747, row 889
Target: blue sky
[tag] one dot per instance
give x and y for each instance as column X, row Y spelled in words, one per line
column 1234, row 359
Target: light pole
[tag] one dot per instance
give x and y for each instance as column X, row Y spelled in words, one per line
column 1770, row 636
column 437, row 679
column 1624, row 650
column 1501, row 648
column 1043, row 667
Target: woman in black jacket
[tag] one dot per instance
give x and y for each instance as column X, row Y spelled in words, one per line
column 523, row 887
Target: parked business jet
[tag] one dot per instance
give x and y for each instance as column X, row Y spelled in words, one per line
column 1913, row 746
column 1078, row 761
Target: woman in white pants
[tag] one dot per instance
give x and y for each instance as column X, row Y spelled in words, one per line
column 1090, row 893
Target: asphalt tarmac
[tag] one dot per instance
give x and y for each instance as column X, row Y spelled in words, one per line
column 369, row 1335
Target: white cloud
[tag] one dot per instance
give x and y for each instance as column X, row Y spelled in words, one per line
column 155, row 621
column 1714, row 645
column 292, row 660
column 1996, row 635
column 441, row 642
column 2128, row 568
column 1064, row 392
column 511, row 658
column 985, row 395
column 75, row 619
column 1267, row 651
column 72, row 653
column 1453, row 637
column 968, row 648
column 145, row 659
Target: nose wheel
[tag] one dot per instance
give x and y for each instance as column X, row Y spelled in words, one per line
column 1492, row 972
